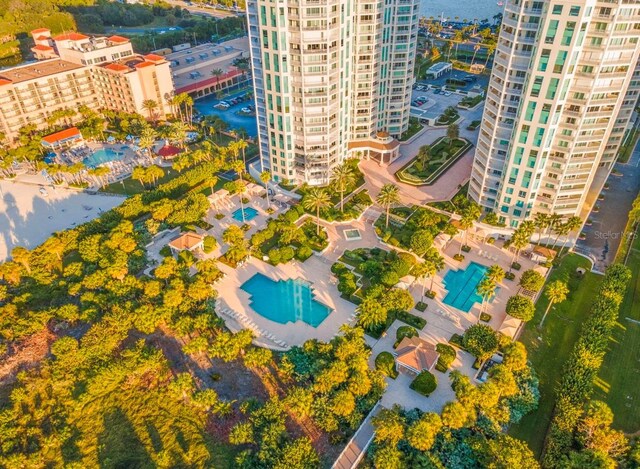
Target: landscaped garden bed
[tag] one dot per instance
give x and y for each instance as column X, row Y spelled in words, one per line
column 474, row 125
column 414, row 127
column 469, row 102
column 401, row 231
column 426, row 170
column 282, row 240
column 449, row 116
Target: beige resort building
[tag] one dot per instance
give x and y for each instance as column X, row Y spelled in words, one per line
column 74, row 70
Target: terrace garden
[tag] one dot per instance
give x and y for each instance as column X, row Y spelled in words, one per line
column 368, row 277
column 411, row 228
column 430, row 163
column 282, row 240
column 449, row 116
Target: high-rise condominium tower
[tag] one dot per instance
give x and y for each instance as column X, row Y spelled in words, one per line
column 332, row 79
column 562, row 90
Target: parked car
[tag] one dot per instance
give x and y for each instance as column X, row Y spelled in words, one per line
column 436, row 91
column 447, row 93
column 423, row 98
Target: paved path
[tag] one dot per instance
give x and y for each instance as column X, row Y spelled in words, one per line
column 604, row 236
column 353, row 453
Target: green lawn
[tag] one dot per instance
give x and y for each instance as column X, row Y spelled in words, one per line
column 559, row 334
column 130, row 186
column 630, row 139
column 414, row 127
column 618, row 382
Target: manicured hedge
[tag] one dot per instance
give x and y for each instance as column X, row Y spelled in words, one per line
column 411, row 319
column 583, row 365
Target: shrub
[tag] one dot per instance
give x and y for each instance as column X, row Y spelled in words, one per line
column 338, row 268
column 165, row 251
column 386, row 364
column 520, row 307
column 287, row 253
column 430, row 294
column 446, row 358
column 480, row 341
column 510, row 276
column 274, row 256
column 458, row 257
column 411, row 319
column 347, row 283
column 456, row 339
column 219, row 216
column 209, row 244
column 491, row 240
column 389, row 278
column 420, row 306
column 425, row 383
column 466, row 248
column 404, row 331
column 516, row 266
column 531, row 280
column 304, row 253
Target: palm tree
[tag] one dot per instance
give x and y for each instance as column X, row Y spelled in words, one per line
column 389, row 195
column 470, row 215
column 150, row 106
column 572, row 224
column 486, row 289
column 556, row 292
column 554, row 220
column 561, row 229
column 147, row 138
column 434, row 258
column 241, row 145
column 491, row 48
column 343, row 177
column 265, row 177
column 424, row 153
column 541, row 220
column 178, row 133
column 495, row 273
column 217, row 73
column 476, row 48
column 453, row 132
column 371, row 312
column 421, row 272
column 238, row 167
column 316, row 199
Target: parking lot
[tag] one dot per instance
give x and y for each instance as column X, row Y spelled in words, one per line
column 480, row 83
column 435, row 105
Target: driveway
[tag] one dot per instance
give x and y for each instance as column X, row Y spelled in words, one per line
column 446, row 185
column 604, row 236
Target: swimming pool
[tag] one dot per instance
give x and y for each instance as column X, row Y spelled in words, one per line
column 285, row 300
column 101, row 156
column 462, row 286
column 249, row 214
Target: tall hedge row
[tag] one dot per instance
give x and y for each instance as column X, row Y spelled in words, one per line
column 583, row 365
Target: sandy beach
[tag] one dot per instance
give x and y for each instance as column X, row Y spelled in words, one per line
column 28, row 217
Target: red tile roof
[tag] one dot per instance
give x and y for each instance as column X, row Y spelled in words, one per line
column 154, row 58
column 143, row 64
column 42, row 48
column 70, row 37
column 4, row 81
column 42, row 38
column 118, row 39
column 40, row 30
column 416, row 354
column 62, row 135
column 186, row 241
column 169, row 151
column 117, row 67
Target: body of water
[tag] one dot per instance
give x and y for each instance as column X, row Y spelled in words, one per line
column 463, row 9
column 285, row 300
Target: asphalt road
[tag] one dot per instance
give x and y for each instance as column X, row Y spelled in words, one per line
column 202, row 11
column 604, row 236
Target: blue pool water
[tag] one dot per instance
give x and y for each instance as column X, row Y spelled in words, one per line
column 462, row 285
column 285, row 301
column 102, row 155
column 249, row 214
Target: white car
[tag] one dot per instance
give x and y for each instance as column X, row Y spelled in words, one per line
column 447, row 93
column 44, row 192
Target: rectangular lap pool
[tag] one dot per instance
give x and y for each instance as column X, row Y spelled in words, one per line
column 462, row 286
column 285, row 301
column 249, row 214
